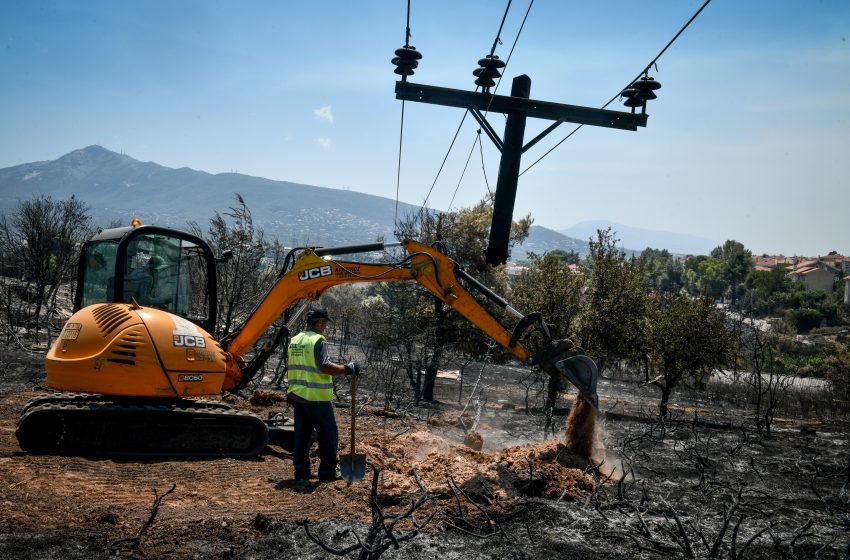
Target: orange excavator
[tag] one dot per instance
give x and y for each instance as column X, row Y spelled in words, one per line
column 133, row 364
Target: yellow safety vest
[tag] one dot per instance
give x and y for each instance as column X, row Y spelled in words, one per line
column 305, row 379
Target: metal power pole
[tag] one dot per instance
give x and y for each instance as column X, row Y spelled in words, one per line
column 517, row 107
column 506, row 184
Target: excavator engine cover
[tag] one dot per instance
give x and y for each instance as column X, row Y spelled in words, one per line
column 126, row 350
column 128, row 370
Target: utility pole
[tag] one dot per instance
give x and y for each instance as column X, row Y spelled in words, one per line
column 517, row 107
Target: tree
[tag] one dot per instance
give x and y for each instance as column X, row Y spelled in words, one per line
column 709, row 278
column 686, row 338
column 762, row 287
column 613, row 316
column 462, row 234
column 551, row 288
column 738, row 261
column 757, row 348
column 565, row 257
column 663, row 272
column 41, row 241
column 243, row 280
column 837, row 370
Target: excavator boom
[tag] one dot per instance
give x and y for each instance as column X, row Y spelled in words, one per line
column 312, row 274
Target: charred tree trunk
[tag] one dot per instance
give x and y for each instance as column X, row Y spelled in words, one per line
column 414, row 377
column 663, row 409
column 437, row 355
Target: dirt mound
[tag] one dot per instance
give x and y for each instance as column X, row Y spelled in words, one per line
column 548, row 469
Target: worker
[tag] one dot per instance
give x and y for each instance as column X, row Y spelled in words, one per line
column 310, row 393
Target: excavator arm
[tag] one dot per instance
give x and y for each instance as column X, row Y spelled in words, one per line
column 311, row 275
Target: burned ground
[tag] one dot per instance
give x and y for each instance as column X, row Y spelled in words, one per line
column 700, row 485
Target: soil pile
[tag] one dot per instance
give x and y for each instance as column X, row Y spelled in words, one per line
column 547, row 469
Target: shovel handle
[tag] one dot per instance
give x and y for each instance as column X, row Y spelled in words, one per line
column 353, row 397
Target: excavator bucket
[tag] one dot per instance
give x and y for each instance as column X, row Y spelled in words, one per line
column 582, row 372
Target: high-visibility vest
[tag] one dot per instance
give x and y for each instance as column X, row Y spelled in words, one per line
column 305, row 379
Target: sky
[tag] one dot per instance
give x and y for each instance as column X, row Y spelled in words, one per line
column 748, row 139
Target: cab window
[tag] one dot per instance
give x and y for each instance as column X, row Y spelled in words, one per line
column 166, row 273
column 99, row 274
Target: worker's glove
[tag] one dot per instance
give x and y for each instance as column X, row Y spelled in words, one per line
column 352, row 368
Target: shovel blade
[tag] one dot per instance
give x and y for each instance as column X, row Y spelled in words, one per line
column 352, row 466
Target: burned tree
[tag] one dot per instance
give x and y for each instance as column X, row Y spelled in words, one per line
column 387, row 529
column 758, row 347
column 244, row 279
column 39, row 246
column 463, row 235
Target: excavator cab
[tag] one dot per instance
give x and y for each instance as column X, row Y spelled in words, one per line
column 157, row 267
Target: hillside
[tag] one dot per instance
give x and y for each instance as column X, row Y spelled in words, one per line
column 117, row 187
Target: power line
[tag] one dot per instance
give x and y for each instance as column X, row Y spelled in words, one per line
column 641, row 73
column 483, row 167
column 398, row 168
column 511, row 52
column 468, row 158
column 457, row 132
column 501, row 25
column 496, row 88
column 401, row 126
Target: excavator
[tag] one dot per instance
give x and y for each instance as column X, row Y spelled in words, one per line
column 135, row 370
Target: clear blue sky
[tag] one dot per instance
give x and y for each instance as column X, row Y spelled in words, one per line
column 748, row 139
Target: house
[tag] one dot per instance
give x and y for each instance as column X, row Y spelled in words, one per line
column 840, row 262
column 847, row 290
column 514, row 271
column 767, row 263
column 815, row 274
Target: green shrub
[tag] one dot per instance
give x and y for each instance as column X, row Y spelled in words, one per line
column 804, row 319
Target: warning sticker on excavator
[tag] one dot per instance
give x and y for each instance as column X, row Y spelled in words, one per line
column 71, row 331
column 346, row 271
column 196, row 354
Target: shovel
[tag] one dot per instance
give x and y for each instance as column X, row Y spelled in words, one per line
column 352, row 466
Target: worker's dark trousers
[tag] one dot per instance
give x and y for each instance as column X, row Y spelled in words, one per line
column 321, row 417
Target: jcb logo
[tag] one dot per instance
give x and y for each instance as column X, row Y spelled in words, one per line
column 317, row 272
column 189, row 340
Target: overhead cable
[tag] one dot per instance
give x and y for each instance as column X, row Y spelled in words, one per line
column 477, row 138
column 401, row 127
column 641, row 73
column 449, row 151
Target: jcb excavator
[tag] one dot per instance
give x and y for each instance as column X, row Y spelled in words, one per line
column 131, row 362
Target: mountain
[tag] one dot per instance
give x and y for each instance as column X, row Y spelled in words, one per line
column 640, row 239
column 117, row 188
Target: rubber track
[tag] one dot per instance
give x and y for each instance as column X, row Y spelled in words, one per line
column 91, row 398
column 94, row 426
